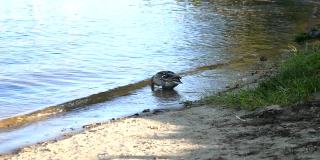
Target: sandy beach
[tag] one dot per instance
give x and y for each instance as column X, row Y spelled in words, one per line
column 171, row 135
column 204, row 132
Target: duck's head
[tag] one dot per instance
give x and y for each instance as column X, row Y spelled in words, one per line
column 170, row 76
column 176, row 79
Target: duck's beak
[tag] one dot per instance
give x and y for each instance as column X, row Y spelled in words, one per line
column 177, row 81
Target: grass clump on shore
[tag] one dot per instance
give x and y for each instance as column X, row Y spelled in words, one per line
column 297, row 78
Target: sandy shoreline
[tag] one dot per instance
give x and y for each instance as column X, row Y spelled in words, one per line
column 169, row 135
column 204, row 132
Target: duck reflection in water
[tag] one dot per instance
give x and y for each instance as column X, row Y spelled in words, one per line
column 166, row 95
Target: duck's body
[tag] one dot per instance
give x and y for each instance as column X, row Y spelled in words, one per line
column 165, row 79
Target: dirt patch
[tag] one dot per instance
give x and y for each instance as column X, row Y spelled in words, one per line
column 290, row 133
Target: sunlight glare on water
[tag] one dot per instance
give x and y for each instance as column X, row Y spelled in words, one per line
column 56, row 51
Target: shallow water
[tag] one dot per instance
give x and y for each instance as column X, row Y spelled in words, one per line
column 57, row 51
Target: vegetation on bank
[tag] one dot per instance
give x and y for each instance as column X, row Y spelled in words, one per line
column 297, row 78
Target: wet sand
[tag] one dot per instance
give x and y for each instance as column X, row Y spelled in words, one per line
column 204, row 132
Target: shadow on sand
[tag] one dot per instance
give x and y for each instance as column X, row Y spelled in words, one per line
column 217, row 133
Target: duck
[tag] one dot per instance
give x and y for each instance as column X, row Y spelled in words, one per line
column 166, row 79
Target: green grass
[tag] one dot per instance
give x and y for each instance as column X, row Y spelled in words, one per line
column 297, row 78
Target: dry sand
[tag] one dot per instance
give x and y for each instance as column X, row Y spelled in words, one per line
column 195, row 133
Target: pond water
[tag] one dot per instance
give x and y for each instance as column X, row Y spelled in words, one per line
column 52, row 52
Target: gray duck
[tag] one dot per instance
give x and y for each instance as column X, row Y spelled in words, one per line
column 166, row 79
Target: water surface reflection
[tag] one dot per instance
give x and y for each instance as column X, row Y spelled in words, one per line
column 166, row 95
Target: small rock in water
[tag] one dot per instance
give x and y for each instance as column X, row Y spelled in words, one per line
column 187, row 103
column 314, row 33
column 254, row 72
column 159, row 111
column 263, row 58
column 146, row 110
column 86, row 126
